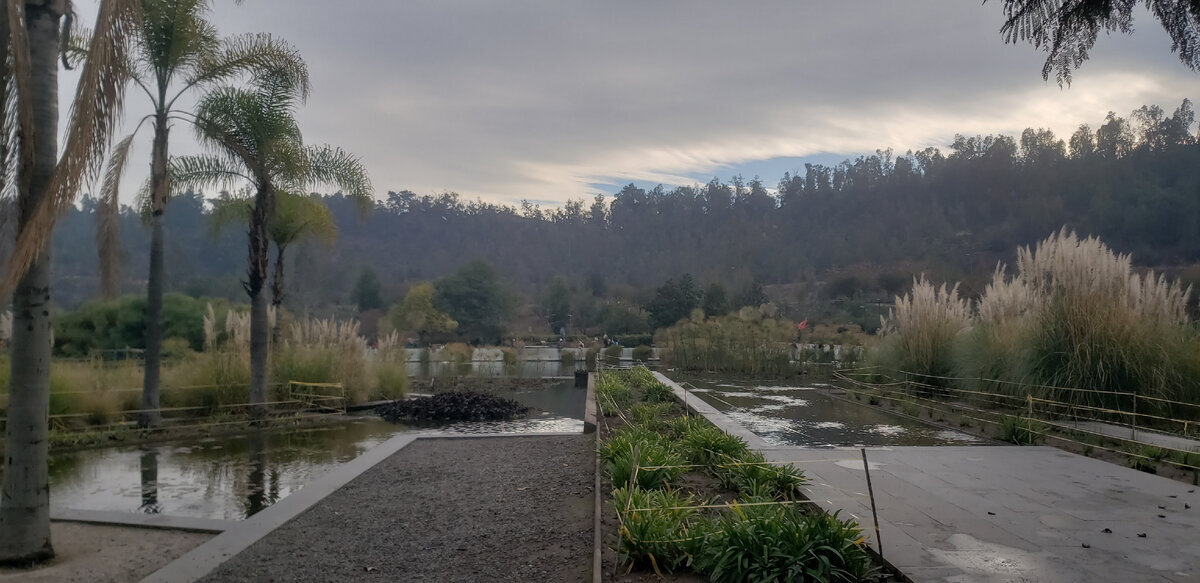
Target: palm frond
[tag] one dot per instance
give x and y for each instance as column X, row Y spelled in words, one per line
column 230, row 209
column 108, row 243
column 335, row 167
column 299, row 216
column 203, row 171
column 249, row 54
column 95, row 112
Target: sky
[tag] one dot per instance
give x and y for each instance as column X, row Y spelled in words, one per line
column 549, row 100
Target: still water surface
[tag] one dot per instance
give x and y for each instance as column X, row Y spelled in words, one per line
column 235, row 476
column 785, row 413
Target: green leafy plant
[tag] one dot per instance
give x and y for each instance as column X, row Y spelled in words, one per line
column 642, row 353
column 612, row 394
column 654, row 526
column 650, row 462
column 1145, row 458
column 751, row 473
column 657, row 392
column 783, row 544
column 707, row 445
column 648, row 414
column 1021, row 431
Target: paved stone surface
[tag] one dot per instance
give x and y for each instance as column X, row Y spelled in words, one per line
column 1151, row 437
column 1004, row 514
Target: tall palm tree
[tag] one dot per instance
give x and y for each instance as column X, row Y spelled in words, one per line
column 254, row 139
column 297, row 217
column 177, row 51
column 45, row 184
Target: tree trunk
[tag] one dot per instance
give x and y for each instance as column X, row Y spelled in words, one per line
column 277, row 295
column 151, row 416
column 256, row 280
column 25, row 505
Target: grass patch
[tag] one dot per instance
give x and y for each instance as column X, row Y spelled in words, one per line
column 1021, row 430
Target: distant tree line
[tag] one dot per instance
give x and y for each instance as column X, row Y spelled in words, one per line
column 1131, row 180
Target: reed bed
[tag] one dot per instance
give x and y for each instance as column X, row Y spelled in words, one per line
column 216, row 381
column 1073, row 314
column 745, row 342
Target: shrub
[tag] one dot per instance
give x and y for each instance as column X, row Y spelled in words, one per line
column 612, row 354
column 642, row 353
column 590, row 357
column 567, row 357
column 783, row 544
column 509, row 356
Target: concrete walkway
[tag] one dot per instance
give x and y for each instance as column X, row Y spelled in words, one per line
column 1002, row 514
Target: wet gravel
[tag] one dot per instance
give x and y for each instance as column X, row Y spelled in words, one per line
column 461, row 509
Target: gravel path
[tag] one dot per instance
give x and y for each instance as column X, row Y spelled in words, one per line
column 462, row 509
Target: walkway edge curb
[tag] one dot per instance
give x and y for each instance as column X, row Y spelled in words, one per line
column 203, row 559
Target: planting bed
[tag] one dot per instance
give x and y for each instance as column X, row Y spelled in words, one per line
column 691, row 503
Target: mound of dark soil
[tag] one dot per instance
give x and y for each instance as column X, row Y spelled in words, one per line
column 453, row 406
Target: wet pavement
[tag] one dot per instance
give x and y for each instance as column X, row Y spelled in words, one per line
column 1000, row 514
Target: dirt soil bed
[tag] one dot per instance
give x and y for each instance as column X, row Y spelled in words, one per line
column 461, row 509
column 90, row 553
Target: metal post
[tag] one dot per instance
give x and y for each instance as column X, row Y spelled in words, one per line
column 1133, row 424
column 871, row 493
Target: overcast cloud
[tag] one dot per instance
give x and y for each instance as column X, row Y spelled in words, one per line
column 546, row 100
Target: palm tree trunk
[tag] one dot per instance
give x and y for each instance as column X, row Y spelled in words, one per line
column 151, row 415
column 25, row 506
column 255, row 282
column 277, row 294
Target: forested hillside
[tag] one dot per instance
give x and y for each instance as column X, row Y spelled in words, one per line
column 1134, row 181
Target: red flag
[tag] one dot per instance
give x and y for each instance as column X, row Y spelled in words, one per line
column 802, row 325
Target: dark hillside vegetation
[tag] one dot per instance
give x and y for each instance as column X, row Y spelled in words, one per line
column 1135, row 182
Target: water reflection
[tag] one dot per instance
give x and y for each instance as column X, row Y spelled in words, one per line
column 786, row 414
column 235, row 476
column 149, row 472
column 490, row 369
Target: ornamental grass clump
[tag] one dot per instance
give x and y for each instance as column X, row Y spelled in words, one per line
column 1076, row 315
column 921, row 331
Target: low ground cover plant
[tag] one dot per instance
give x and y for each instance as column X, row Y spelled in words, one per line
column 757, row 527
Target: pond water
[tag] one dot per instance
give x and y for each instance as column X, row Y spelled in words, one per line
column 785, row 413
column 492, row 368
column 235, row 476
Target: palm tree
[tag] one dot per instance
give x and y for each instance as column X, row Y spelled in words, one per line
column 177, row 51
column 296, row 218
column 45, row 184
column 254, row 139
